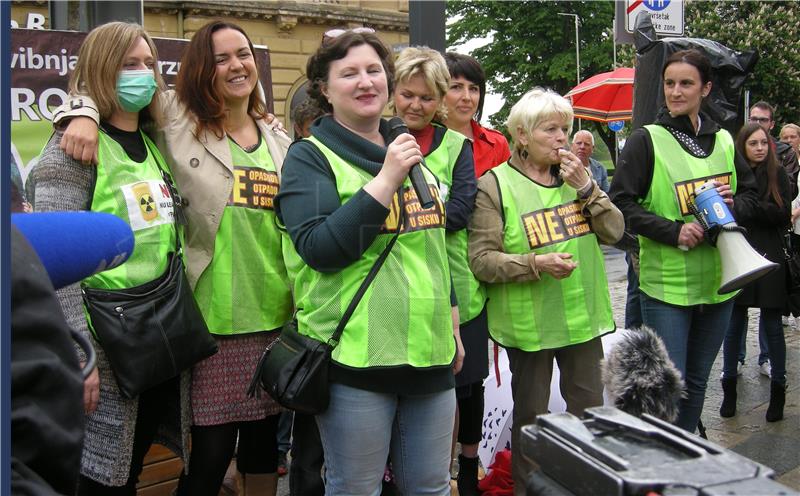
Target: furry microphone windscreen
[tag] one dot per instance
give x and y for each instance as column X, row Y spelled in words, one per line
column 640, row 377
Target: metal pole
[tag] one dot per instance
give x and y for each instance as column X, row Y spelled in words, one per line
column 577, row 52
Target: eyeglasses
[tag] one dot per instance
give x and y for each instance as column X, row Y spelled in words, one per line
column 335, row 33
column 760, row 120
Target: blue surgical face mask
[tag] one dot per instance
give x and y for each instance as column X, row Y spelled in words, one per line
column 135, row 89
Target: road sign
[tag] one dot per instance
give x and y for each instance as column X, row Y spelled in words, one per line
column 666, row 15
column 616, row 126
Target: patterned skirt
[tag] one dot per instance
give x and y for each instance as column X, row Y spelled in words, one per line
column 220, row 382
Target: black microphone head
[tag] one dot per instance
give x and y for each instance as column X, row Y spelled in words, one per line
column 396, row 128
column 640, row 377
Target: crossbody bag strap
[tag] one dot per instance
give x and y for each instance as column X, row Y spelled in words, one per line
column 351, row 308
column 177, row 200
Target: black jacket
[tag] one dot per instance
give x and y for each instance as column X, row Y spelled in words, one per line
column 634, row 175
column 765, row 234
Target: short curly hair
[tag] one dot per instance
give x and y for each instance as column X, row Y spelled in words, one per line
column 319, row 64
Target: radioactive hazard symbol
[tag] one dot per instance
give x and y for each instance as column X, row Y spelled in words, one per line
column 147, row 204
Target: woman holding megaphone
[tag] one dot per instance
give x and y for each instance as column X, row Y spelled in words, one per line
column 768, row 293
column 680, row 272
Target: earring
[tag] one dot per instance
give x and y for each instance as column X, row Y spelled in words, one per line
column 524, row 154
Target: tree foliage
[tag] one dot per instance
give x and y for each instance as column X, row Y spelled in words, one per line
column 770, row 28
column 533, row 45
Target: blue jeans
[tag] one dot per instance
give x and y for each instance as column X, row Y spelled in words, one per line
column 285, row 431
column 633, row 305
column 769, row 326
column 763, row 350
column 693, row 336
column 360, row 428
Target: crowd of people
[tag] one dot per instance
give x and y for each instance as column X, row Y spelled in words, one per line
column 509, row 251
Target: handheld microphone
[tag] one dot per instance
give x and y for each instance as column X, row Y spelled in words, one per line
column 396, row 128
column 75, row 245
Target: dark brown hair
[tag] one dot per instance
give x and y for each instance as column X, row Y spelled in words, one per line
column 195, row 84
column 319, row 64
column 694, row 58
column 765, row 107
column 467, row 67
column 770, row 161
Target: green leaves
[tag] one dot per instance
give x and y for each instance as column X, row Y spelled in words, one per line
column 770, row 28
column 533, row 45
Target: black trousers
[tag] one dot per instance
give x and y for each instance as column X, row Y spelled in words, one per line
column 307, row 458
column 152, row 409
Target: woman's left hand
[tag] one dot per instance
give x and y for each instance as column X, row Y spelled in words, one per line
column 725, row 192
column 458, row 362
column 572, row 170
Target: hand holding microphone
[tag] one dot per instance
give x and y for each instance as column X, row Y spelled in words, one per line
column 397, row 128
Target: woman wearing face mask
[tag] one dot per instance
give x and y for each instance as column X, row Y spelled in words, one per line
column 226, row 160
column 116, row 68
column 344, row 196
column 764, row 232
column 464, row 101
column 679, row 271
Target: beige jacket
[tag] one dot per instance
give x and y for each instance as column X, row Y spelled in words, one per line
column 202, row 168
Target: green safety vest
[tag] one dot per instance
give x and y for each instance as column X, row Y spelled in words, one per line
column 470, row 292
column 548, row 313
column 404, row 317
column 666, row 272
column 245, row 287
column 136, row 193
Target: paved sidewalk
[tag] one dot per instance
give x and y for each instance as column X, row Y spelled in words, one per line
column 776, row 445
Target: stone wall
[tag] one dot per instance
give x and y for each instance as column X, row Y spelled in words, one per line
column 291, row 29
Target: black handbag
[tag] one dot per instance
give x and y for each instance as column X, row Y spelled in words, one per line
column 792, row 259
column 152, row 332
column 294, row 367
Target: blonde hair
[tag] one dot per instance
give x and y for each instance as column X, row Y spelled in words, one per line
column 100, row 60
column 534, row 107
column 790, row 126
column 429, row 64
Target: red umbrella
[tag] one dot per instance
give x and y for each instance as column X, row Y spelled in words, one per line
column 604, row 97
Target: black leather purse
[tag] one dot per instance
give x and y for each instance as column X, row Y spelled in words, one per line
column 152, row 332
column 294, row 367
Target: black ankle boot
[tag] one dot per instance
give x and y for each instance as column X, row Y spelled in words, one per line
column 777, row 398
column 467, row 480
column 728, row 407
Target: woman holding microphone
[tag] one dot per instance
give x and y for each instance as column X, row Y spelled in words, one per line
column 345, row 195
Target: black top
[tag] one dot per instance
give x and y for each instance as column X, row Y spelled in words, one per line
column 47, row 421
column 130, row 141
column 635, row 173
column 330, row 236
column 461, row 201
column 765, row 233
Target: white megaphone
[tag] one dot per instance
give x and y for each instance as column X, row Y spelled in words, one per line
column 741, row 264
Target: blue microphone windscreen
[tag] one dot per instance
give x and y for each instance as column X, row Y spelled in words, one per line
column 75, row 245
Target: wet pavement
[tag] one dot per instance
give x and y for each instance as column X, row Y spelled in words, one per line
column 776, row 444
